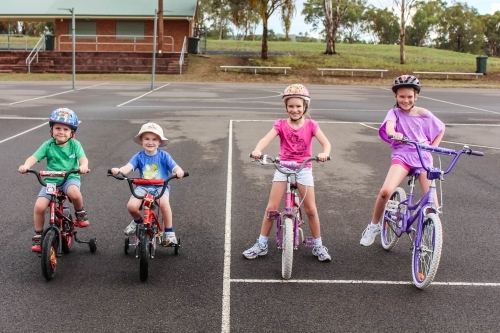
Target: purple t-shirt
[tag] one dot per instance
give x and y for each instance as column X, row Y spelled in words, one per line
column 423, row 129
column 157, row 166
column 296, row 144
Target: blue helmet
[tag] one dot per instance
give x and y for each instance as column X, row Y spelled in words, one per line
column 64, row 116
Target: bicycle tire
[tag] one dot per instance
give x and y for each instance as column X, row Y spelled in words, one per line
column 388, row 237
column 287, row 249
column 144, row 264
column 49, row 254
column 427, row 254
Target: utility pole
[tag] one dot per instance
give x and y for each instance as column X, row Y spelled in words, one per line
column 160, row 26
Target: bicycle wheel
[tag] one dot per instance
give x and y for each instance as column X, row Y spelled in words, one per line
column 49, row 254
column 287, row 248
column 388, row 237
column 144, row 265
column 427, row 254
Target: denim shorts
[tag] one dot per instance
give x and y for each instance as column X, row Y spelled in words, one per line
column 305, row 177
column 63, row 187
column 141, row 190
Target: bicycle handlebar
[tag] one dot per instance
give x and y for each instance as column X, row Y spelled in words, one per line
column 431, row 171
column 60, row 174
column 291, row 167
column 141, row 181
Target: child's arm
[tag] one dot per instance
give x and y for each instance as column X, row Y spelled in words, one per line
column 438, row 139
column 390, row 130
column 178, row 172
column 30, row 161
column 323, row 141
column 84, row 164
column 124, row 169
column 263, row 143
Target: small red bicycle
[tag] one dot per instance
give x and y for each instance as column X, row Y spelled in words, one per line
column 57, row 237
column 151, row 232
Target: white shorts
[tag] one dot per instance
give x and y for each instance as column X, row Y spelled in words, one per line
column 305, row 177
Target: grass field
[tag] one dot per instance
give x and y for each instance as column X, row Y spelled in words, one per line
column 305, row 58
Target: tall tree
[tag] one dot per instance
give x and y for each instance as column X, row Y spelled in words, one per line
column 266, row 8
column 424, row 21
column 333, row 20
column 287, row 15
column 405, row 7
column 354, row 21
column 492, row 34
column 383, row 25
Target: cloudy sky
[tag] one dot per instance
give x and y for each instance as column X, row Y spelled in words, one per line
column 298, row 25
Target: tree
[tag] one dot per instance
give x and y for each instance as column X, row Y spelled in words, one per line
column 492, row 34
column 424, row 21
column 266, row 8
column 287, row 15
column 405, row 7
column 243, row 16
column 354, row 21
column 383, row 25
column 333, row 21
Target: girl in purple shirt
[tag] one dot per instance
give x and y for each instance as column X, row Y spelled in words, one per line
column 296, row 134
column 410, row 121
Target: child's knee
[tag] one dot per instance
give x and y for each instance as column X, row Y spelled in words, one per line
column 385, row 193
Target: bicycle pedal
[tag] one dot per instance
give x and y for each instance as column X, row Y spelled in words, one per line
column 273, row 215
column 392, row 206
column 309, row 241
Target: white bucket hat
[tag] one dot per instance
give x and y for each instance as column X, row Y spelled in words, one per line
column 151, row 128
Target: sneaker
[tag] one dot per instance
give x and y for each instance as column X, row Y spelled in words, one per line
column 81, row 219
column 130, row 229
column 322, row 253
column 368, row 236
column 170, row 238
column 255, row 251
column 36, row 246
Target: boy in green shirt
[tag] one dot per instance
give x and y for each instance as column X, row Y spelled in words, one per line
column 63, row 153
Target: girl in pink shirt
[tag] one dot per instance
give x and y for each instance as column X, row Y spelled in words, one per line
column 296, row 134
column 410, row 121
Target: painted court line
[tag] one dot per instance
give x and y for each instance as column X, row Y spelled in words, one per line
column 435, row 283
column 52, row 95
column 31, row 129
column 149, row 92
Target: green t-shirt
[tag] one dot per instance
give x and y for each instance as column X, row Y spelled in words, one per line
column 60, row 158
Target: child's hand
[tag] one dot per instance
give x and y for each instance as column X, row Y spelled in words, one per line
column 397, row 136
column 84, row 169
column 179, row 173
column 322, row 157
column 256, row 154
column 23, row 168
column 115, row 171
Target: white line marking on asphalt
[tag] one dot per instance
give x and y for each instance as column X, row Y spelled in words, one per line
column 31, row 129
column 464, row 106
column 64, row 92
column 149, row 92
column 23, row 118
column 466, row 284
column 226, row 284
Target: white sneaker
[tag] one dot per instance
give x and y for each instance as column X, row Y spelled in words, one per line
column 368, row 236
column 130, row 229
column 255, row 251
column 170, row 238
column 322, row 253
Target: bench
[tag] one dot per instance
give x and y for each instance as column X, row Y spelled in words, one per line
column 255, row 67
column 352, row 70
column 449, row 73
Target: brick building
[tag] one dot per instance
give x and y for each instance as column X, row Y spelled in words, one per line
column 109, row 25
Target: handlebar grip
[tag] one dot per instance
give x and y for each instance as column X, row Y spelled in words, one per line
column 186, row 174
column 109, row 172
column 476, row 153
column 328, row 158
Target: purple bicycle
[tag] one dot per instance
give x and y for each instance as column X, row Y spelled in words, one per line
column 289, row 221
column 401, row 213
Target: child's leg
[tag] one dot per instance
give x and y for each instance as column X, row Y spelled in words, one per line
column 394, row 177
column 307, row 193
column 277, row 192
column 73, row 192
column 425, row 184
column 133, row 206
column 41, row 205
column 166, row 211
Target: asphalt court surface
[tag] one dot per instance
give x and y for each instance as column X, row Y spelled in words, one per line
column 210, row 287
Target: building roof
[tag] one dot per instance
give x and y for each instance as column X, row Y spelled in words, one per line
column 45, row 9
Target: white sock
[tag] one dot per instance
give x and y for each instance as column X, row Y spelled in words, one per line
column 318, row 242
column 263, row 240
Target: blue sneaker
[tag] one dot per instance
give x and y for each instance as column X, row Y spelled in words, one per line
column 255, row 251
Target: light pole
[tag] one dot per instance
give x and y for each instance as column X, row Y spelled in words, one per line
column 72, row 11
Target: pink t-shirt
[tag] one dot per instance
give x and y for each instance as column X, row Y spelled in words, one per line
column 296, row 145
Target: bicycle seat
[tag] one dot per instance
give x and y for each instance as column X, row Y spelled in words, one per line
column 414, row 172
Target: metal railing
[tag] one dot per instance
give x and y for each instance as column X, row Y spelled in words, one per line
column 34, row 53
column 181, row 59
column 11, row 40
column 101, row 40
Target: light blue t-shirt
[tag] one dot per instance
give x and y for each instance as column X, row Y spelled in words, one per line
column 158, row 166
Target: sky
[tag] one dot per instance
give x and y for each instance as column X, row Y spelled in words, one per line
column 298, row 24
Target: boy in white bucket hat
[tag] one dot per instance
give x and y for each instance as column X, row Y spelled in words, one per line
column 152, row 163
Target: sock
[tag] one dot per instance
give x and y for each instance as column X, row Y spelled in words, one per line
column 169, row 229
column 318, row 242
column 263, row 240
column 139, row 220
column 79, row 210
column 38, row 232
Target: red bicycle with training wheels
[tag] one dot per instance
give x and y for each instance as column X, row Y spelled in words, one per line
column 58, row 236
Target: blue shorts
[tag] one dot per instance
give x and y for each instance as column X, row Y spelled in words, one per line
column 63, row 187
column 141, row 190
column 305, row 177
